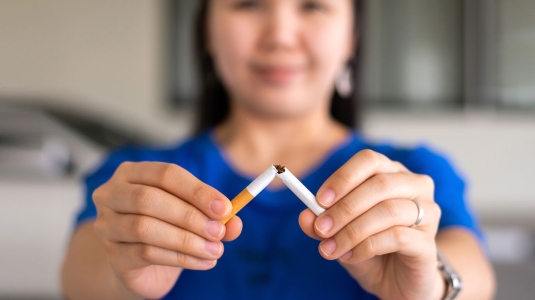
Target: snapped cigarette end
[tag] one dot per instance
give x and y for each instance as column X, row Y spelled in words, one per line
column 299, row 189
column 260, row 183
column 280, row 169
column 253, row 189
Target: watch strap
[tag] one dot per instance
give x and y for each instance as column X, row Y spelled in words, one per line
column 452, row 279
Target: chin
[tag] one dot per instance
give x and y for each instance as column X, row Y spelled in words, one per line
column 281, row 107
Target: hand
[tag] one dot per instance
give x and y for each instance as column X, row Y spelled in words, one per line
column 366, row 226
column 155, row 220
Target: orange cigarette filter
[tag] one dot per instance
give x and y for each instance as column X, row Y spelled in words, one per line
column 238, row 203
column 253, row 189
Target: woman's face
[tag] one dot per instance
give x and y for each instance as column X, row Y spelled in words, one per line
column 280, row 58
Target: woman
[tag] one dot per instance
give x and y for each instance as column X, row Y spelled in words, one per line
column 151, row 227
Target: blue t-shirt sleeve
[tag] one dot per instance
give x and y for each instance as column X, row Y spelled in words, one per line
column 450, row 189
column 107, row 168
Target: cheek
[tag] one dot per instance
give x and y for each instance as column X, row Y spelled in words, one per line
column 329, row 47
column 232, row 42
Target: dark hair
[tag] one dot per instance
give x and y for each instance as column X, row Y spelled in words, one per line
column 214, row 106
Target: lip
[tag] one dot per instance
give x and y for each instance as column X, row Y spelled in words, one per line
column 277, row 74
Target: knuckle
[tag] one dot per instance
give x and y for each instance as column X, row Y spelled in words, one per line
column 353, row 232
column 398, row 165
column 427, row 180
column 143, row 198
column 373, row 157
column 124, row 167
column 111, row 248
column 368, row 153
column 167, row 173
column 346, row 178
column 401, row 237
column 99, row 225
column 189, row 216
column 435, row 210
column 201, row 191
column 181, row 259
column 99, row 194
column 382, row 182
column 368, row 248
column 185, row 241
column 347, row 208
column 391, row 210
column 146, row 252
column 141, row 228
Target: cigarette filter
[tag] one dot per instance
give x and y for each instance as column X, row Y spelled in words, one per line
column 253, row 189
column 299, row 189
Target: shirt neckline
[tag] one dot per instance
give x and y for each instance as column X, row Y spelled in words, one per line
column 225, row 161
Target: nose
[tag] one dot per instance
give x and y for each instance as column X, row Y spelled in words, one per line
column 281, row 28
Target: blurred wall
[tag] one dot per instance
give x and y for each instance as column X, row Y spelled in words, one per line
column 516, row 62
column 413, row 51
column 104, row 58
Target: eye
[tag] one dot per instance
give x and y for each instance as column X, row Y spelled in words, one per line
column 248, row 4
column 312, row 6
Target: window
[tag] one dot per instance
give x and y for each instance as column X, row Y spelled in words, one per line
column 417, row 54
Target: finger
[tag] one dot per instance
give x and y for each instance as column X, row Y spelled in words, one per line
column 355, row 171
column 180, row 183
column 138, row 255
column 233, row 229
column 306, row 221
column 398, row 239
column 151, row 231
column 150, row 201
column 387, row 214
column 370, row 193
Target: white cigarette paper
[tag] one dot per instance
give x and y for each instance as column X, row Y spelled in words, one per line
column 300, row 190
column 262, row 181
column 252, row 190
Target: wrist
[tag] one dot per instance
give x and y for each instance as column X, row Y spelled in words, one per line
column 439, row 288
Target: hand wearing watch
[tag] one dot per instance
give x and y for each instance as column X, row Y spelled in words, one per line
column 453, row 281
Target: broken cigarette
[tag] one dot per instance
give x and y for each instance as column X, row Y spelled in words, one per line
column 253, row 189
column 299, row 189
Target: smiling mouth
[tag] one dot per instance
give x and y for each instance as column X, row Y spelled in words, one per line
column 277, row 74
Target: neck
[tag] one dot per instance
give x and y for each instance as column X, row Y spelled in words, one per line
column 254, row 142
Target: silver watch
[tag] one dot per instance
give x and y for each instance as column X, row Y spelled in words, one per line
column 454, row 283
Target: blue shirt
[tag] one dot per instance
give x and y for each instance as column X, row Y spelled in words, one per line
column 273, row 258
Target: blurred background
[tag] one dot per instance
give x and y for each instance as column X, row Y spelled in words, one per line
column 78, row 78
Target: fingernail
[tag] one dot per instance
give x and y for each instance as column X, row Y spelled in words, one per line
column 347, row 255
column 214, row 228
column 213, row 248
column 326, row 198
column 218, row 207
column 328, row 247
column 324, row 224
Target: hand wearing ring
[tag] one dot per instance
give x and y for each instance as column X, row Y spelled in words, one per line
column 420, row 214
column 371, row 227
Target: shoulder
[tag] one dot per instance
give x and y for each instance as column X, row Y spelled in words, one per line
column 183, row 153
column 419, row 158
column 186, row 153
